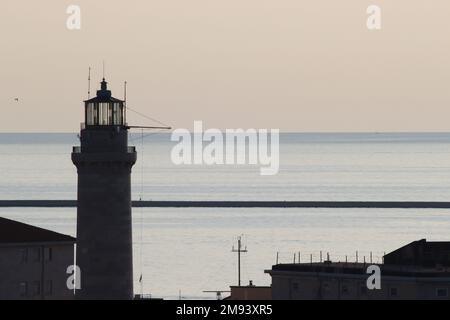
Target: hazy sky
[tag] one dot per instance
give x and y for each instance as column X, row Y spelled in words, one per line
column 288, row 64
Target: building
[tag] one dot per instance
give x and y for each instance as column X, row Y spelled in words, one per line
column 34, row 262
column 250, row 292
column 104, row 225
column 421, row 253
column 417, row 271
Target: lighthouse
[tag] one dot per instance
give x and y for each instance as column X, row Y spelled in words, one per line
column 104, row 161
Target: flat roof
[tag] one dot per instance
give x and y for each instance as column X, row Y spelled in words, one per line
column 361, row 268
column 12, row 232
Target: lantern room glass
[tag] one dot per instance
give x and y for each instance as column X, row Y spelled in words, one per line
column 104, row 114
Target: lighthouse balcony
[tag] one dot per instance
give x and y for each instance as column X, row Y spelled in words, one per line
column 78, row 149
column 107, row 158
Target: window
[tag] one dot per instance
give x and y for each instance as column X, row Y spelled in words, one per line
column 24, row 255
column 36, row 288
column 393, row 292
column 48, row 288
column 118, row 114
column 344, row 289
column 363, row 290
column 104, row 113
column 48, row 254
column 95, row 114
column 442, row 292
column 23, row 289
column 90, row 114
column 110, row 114
column 326, row 288
column 37, row 254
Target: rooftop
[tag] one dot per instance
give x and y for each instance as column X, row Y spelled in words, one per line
column 417, row 259
column 361, row 269
column 103, row 95
column 12, row 232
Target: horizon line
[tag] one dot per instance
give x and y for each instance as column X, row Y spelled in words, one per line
column 281, row 132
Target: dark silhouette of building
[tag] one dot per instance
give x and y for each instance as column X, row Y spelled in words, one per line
column 421, row 253
column 34, row 262
column 250, row 292
column 417, row 271
column 104, row 225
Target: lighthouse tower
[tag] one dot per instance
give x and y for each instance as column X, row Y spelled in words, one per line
column 104, row 225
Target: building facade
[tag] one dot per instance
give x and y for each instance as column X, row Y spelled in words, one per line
column 34, row 262
column 250, row 292
column 415, row 272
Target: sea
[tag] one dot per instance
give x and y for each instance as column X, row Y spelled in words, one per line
column 183, row 252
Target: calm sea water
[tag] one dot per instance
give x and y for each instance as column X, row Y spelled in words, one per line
column 189, row 250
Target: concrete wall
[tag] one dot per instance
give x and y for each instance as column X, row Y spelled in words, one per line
column 35, row 271
column 251, row 293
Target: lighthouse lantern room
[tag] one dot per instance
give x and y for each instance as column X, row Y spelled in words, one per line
column 104, row 110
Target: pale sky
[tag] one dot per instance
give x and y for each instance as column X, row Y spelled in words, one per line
column 288, row 64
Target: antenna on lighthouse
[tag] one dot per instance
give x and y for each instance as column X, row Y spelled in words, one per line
column 125, row 102
column 89, row 83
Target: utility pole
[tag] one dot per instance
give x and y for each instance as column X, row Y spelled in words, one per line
column 239, row 250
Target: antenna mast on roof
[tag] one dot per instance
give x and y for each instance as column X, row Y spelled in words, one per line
column 239, row 250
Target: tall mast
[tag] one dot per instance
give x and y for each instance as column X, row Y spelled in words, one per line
column 89, row 83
